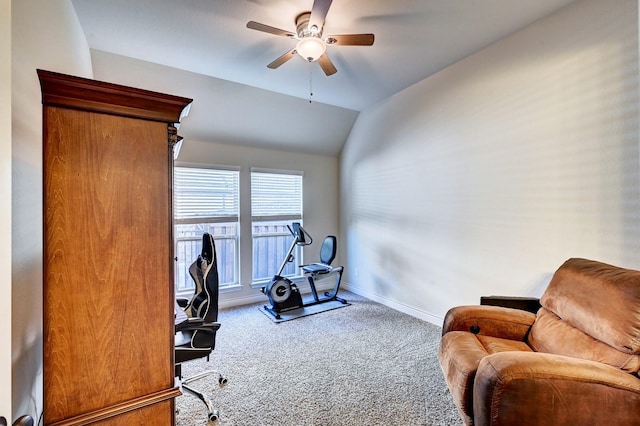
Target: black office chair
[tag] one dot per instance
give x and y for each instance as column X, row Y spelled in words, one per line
column 196, row 335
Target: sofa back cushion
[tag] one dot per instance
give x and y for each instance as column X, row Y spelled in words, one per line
column 601, row 301
column 550, row 334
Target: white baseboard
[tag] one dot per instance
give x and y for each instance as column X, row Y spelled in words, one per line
column 230, row 302
column 409, row 310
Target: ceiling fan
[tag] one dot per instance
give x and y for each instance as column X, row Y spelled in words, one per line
column 311, row 44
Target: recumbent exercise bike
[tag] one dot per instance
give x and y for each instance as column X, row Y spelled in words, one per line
column 284, row 295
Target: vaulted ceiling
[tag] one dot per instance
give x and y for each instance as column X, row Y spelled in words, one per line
column 204, row 46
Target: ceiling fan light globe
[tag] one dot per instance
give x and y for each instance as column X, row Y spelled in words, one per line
column 311, row 48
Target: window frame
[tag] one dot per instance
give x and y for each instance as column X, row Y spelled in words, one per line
column 206, row 221
column 289, row 218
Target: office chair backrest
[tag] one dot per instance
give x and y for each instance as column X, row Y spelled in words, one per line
column 204, row 271
column 328, row 250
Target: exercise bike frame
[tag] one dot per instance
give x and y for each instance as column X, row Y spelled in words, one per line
column 284, row 295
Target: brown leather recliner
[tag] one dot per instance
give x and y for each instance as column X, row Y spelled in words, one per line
column 575, row 362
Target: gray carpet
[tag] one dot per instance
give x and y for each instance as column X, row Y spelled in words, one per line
column 366, row 364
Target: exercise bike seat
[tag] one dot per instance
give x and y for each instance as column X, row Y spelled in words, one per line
column 327, row 254
column 317, row 268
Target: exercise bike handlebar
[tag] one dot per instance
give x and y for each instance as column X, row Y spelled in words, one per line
column 300, row 236
column 299, row 239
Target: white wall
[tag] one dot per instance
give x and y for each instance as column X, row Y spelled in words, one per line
column 485, row 177
column 320, row 198
column 5, row 208
column 44, row 34
column 232, row 113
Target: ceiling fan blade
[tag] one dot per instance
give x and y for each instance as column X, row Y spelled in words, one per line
column 319, row 13
column 271, row 30
column 282, row 59
column 326, row 65
column 350, row 40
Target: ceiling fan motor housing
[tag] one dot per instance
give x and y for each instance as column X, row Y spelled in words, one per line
column 302, row 26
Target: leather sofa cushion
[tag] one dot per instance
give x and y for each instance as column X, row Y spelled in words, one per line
column 601, row 300
column 460, row 354
column 552, row 335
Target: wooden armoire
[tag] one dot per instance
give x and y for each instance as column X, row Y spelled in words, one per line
column 108, row 270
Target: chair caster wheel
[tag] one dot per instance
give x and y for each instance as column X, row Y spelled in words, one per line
column 222, row 381
column 214, row 415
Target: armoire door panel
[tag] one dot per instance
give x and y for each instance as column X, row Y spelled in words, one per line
column 158, row 415
column 106, row 216
column 153, row 410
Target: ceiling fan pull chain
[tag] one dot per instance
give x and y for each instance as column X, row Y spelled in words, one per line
column 310, row 85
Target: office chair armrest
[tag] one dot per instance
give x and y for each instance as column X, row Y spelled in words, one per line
column 210, row 327
column 182, row 302
column 213, row 326
column 197, row 324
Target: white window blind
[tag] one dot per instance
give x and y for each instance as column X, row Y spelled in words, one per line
column 276, row 196
column 205, row 195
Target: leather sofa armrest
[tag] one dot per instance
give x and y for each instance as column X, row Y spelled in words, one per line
column 506, row 323
column 552, row 390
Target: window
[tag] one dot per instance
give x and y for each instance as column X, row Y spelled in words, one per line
column 276, row 201
column 206, row 200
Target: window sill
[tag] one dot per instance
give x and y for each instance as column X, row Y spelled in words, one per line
column 230, row 288
column 226, row 289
